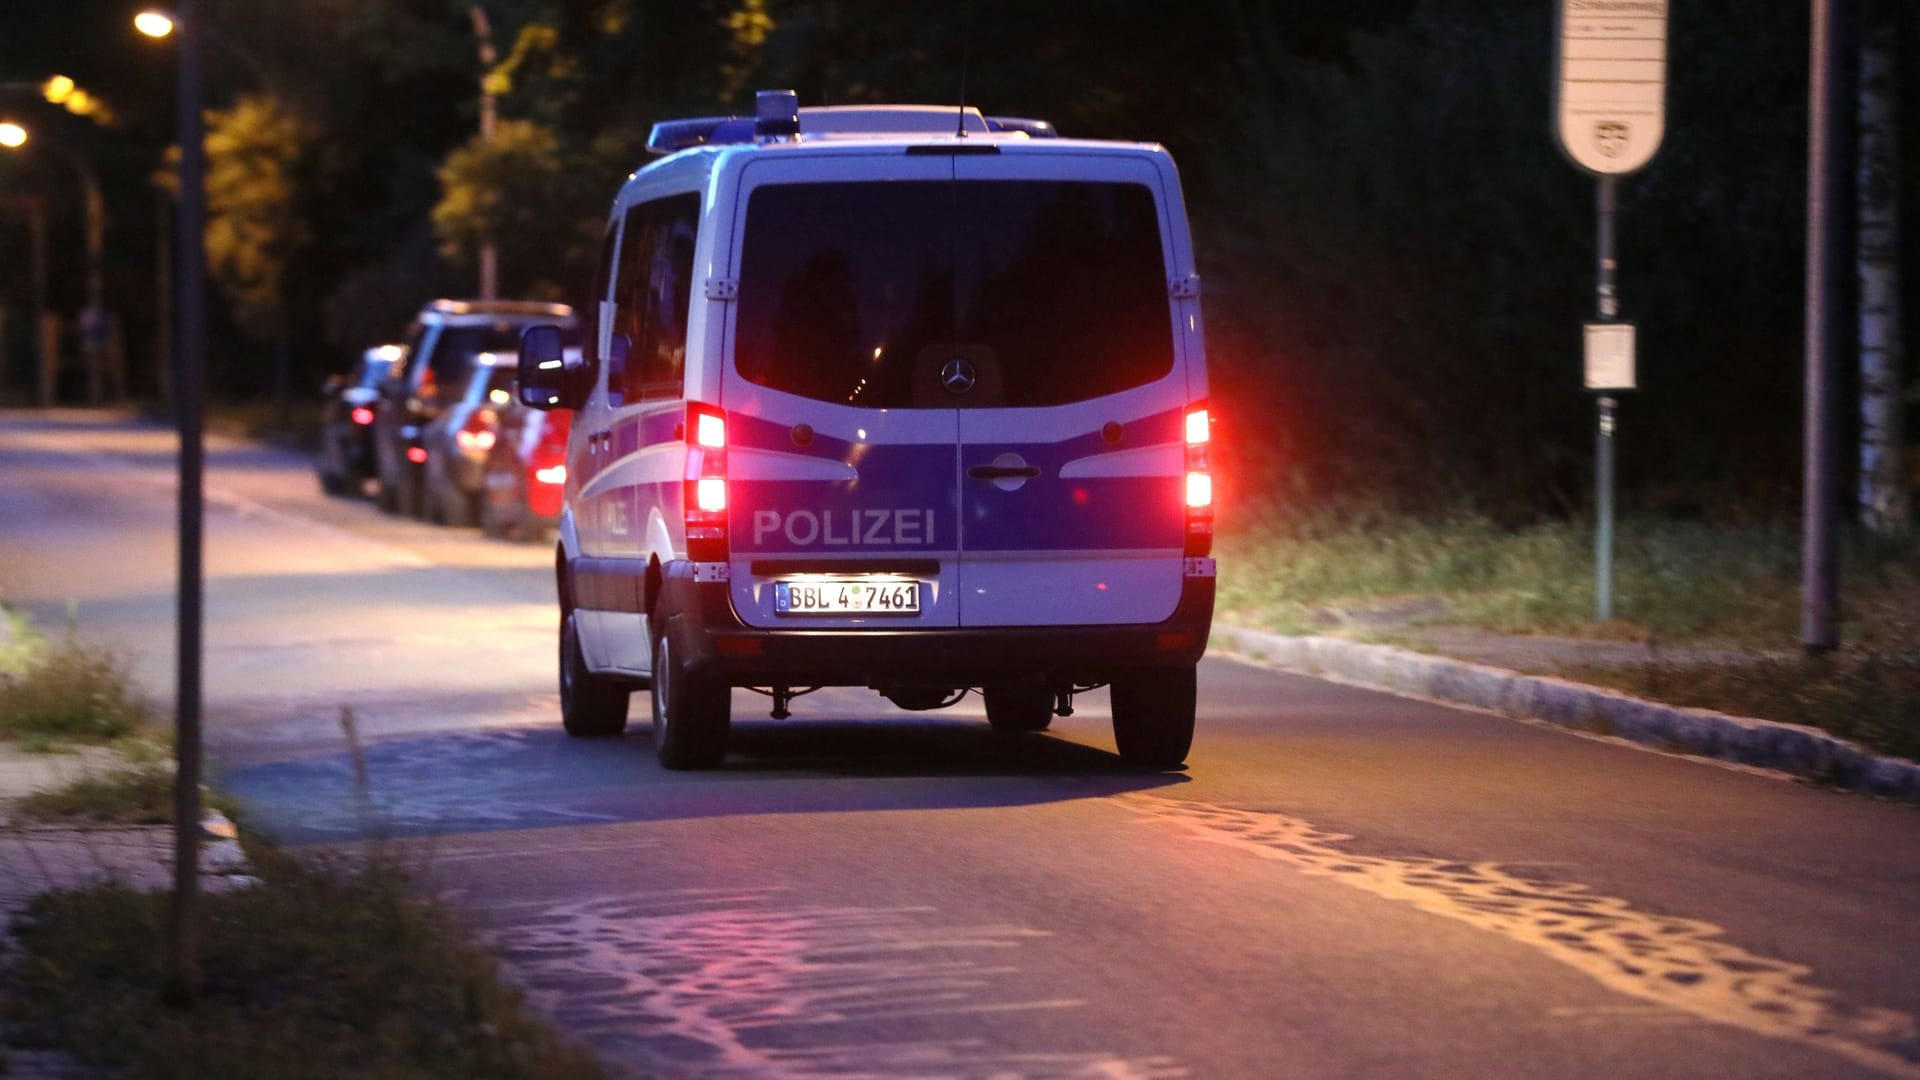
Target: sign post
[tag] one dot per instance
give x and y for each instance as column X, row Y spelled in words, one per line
column 1610, row 106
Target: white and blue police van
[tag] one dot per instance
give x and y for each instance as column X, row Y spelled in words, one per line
column 902, row 397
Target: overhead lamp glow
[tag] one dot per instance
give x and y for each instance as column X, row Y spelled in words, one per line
column 12, row 135
column 154, row 24
column 57, row 89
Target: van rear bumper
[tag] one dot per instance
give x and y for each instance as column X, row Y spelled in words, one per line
column 714, row 641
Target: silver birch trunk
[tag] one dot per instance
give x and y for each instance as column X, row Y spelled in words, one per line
column 1884, row 503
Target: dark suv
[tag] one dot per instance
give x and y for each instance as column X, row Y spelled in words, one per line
column 440, row 345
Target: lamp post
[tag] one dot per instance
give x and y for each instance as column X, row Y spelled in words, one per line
column 12, row 137
column 189, row 361
column 94, row 324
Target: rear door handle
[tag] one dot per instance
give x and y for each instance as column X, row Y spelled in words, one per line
column 1003, row 472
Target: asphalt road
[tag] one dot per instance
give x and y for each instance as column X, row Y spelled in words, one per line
column 1340, row 884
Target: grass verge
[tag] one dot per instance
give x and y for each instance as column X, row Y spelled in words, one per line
column 325, row 969
column 1674, row 582
column 1677, row 584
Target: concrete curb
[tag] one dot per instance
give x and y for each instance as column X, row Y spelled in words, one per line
column 1803, row 751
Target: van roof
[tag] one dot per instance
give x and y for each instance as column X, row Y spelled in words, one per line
column 863, row 122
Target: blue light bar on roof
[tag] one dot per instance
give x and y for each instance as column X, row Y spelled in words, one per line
column 1033, row 129
column 671, row 136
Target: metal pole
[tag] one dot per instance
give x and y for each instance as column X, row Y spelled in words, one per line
column 93, row 321
column 1819, row 555
column 1607, row 304
column 46, row 359
column 163, row 294
column 183, row 952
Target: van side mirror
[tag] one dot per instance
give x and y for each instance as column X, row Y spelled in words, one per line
column 546, row 378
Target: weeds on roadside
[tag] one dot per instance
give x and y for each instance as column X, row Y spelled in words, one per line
column 133, row 795
column 1867, row 691
column 326, row 969
column 1677, row 582
column 64, row 690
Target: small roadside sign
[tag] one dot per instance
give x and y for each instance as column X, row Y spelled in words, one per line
column 1609, row 355
column 1611, row 99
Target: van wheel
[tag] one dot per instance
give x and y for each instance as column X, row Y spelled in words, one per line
column 591, row 706
column 1015, row 709
column 1153, row 716
column 690, row 718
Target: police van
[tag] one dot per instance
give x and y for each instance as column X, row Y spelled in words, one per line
column 902, row 397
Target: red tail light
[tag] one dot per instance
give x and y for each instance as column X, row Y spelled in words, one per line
column 362, row 415
column 417, row 455
column 547, row 467
column 476, row 435
column 1198, row 488
column 706, row 483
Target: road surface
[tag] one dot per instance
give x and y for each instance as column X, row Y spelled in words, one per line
column 1340, row 884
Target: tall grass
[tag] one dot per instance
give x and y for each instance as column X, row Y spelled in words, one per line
column 64, row 690
column 1674, row 581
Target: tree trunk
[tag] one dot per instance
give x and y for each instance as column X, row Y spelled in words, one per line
column 1884, row 503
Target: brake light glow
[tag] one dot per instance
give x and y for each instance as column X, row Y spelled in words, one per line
column 1199, row 490
column 1197, row 427
column 552, row 474
column 362, row 415
column 474, row 440
column 1199, row 485
column 417, row 455
column 706, row 483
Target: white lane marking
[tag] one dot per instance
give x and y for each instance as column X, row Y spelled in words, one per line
column 1677, row 963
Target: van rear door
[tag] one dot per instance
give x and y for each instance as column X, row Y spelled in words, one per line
column 842, row 488
column 1070, row 434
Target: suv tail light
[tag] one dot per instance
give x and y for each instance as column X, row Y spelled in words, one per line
column 477, row 436
column 547, row 464
column 706, row 483
column 1199, row 483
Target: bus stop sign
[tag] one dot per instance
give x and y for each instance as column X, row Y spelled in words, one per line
column 1611, row 99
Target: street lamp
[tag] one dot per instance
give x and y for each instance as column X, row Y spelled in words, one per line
column 160, row 23
column 12, row 135
column 154, row 24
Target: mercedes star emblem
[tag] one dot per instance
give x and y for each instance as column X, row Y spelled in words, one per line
column 957, row 376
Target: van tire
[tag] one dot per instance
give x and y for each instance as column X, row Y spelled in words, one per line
column 690, row 713
column 1020, row 708
column 1153, row 716
column 591, row 706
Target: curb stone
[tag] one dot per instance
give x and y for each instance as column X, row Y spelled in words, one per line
column 1793, row 748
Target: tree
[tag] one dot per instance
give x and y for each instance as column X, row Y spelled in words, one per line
column 512, row 191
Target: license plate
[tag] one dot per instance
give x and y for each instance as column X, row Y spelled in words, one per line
column 846, row 596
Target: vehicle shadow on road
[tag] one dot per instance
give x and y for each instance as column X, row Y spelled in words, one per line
column 505, row 778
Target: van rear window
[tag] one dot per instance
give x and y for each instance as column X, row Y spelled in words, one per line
column 863, row 293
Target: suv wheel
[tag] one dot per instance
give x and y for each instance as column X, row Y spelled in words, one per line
column 591, row 706
column 1019, row 708
column 689, row 713
column 1153, row 716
